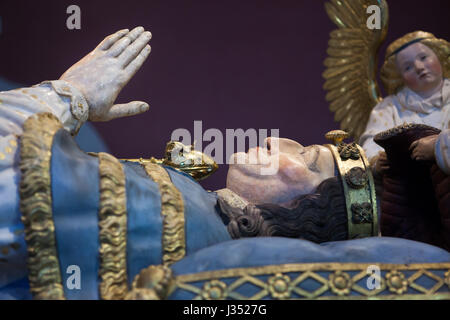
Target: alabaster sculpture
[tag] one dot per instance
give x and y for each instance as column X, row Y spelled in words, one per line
column 90, row 226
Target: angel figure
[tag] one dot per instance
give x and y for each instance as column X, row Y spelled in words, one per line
column 410, row 171
column 415, row 74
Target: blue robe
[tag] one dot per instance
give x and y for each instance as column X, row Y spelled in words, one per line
column 75, row 195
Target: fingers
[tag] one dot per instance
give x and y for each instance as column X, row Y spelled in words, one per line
column 111, row 39
column 413, row 145
column 418, row 155
column 124, row 42
column 382, row 169
column 134, row 49
column 127, row 109
column 416, row 150
column 383, row 159
column 136, row 64
column 382, row 156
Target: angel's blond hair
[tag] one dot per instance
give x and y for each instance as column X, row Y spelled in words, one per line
column 391, row 77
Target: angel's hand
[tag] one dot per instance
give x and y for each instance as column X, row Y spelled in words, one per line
column 102, row 74
column 423, row 149
column 382, row 163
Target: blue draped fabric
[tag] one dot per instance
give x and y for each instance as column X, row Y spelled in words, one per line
column 75, row 195
column 75, row 191
column 260, row 252
column 144, row 229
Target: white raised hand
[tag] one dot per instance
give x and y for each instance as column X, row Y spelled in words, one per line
column 101, row 75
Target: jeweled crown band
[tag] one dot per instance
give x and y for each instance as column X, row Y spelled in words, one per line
column 358, row 185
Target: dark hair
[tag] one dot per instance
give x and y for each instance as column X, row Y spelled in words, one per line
column 319, row 217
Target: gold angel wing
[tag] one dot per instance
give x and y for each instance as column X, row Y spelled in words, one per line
column 351, row 65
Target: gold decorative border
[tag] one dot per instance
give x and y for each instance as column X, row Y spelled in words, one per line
column 282, row 281
column 172, row 211
column 36, row 206
column 112, row 229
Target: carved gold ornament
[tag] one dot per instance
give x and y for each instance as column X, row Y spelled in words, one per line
column 340, row 283
column 214, row 290
column 184, row 159
column 279, row 286
column 348, row 151
column 362, row 213
column 357, row 178
column 152, row 283
column 396, row 282
column 336, row 136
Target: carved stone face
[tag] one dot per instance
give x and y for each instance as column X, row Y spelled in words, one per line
column 420, row 69
column 300, row 170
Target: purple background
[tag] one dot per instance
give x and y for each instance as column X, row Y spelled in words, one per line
column 232, row 64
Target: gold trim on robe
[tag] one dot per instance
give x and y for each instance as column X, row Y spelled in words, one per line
column 112, row 229
column 172, row 212
column 35, row 191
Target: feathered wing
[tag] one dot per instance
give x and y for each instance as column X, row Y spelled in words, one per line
column 351, row 65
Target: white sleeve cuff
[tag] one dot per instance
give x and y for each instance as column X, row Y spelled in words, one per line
column 79, row 107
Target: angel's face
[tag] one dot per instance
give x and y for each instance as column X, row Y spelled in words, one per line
column 300, row 170
column 420, row 68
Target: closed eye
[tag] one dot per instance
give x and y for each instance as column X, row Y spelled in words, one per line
column 312, row 165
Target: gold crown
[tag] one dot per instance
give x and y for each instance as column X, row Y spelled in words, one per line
column 358, row 185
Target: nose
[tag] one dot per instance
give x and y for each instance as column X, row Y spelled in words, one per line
column 419, row 66
column 268, row 142
column 273, row 142
column 282, row 145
